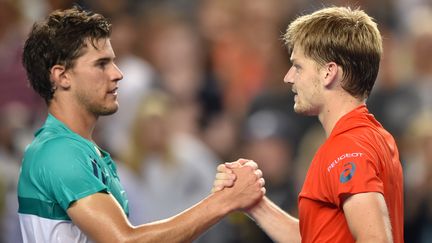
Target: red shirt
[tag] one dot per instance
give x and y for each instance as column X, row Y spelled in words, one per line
column 358, row 156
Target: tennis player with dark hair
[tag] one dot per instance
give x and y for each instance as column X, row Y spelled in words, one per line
column 353, row 191
column 68, row 189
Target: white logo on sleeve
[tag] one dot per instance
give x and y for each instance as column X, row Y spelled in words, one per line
column 341, row 158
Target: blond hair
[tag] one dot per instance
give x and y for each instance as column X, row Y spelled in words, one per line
column 155, row 104
column 350, row 38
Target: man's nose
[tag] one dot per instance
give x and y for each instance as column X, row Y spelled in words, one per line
column 289, row 77
column 118, row 75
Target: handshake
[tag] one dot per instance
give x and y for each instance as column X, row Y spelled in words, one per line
column 240, row 183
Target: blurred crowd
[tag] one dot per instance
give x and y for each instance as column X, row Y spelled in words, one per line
column 203, row 84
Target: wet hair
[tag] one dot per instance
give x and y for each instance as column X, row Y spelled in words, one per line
column 60, row 39
column 350, row 38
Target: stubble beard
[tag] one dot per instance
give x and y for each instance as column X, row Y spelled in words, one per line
column 98, row 109
column 303, row 110
column 298, row 108
column 101, row 110
column 106, row 111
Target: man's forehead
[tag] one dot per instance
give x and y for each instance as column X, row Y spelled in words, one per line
column 297, row 52
column 97, row 44
column 99, row 47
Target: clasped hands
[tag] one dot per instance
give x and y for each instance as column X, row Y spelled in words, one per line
column 243, row 179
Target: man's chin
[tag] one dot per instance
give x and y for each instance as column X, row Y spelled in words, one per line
column 299, row 110
column 303, row 111
column 108, row 111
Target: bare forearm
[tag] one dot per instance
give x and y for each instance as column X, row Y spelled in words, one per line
column 184, row 227
column 188, row 225
column 279, row 225
column 101, row 217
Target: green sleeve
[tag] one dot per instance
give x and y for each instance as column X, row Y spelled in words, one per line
column 65, row 169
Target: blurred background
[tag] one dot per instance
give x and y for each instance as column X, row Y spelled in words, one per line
column 203, row 84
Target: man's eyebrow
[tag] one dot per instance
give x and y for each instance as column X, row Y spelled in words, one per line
column 104, row 59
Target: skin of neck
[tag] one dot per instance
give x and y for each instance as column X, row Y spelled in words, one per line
column 337, row 104
column 72, row 115
column 336, row 101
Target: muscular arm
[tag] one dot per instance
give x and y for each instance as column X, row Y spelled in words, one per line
column 102, row 219
column 366, row 214
column 279, row 225
column 368, row 218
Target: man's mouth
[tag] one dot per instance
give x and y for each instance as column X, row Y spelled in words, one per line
column 113, row 91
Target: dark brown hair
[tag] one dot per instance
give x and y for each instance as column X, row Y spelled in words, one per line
column 60, row 39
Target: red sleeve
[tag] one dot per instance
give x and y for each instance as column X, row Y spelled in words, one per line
column 353, row 167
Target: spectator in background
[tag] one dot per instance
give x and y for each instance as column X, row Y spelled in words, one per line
column 160, row 158
column 267, row 140
column 14, row 85
column 417, row 147
column 173, row 47
column 221, row 134
column 237, row 60
column 420, row 43
column 418, row 178
column 171, row 43
column 15, row 120
column 281, row 101
column 139, row 78
column 394, row 101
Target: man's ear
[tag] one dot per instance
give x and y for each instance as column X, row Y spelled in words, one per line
column 330, row 74
column 59, row 77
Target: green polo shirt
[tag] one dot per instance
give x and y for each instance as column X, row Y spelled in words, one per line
column 60, row 167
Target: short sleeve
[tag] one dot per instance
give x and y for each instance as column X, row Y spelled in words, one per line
column 354, row 168
column 65, row 171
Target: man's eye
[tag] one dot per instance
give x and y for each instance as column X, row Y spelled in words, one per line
column 102, row 64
